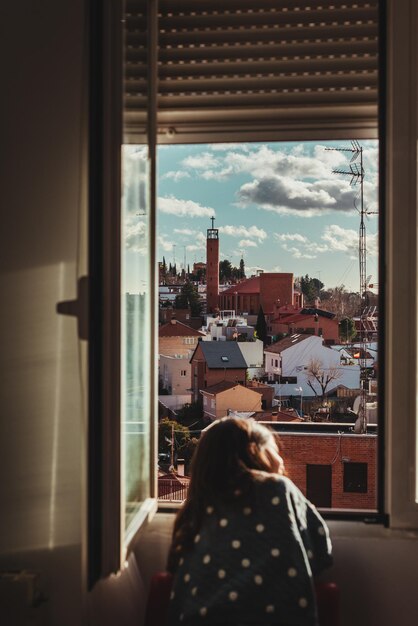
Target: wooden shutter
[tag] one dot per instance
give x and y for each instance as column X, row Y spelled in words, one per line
column 244, row 70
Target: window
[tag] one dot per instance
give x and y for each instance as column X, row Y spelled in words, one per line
column 401, row 261
column 355, row 477
column 183, row 373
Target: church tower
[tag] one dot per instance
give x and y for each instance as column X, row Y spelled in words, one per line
column 212, row 269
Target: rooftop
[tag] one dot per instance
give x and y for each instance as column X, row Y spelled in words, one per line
column 174, row 328
column 288, row 342
column 222, row 355
column 224, row 385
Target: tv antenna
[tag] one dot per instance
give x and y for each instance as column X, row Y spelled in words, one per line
column 356, row 173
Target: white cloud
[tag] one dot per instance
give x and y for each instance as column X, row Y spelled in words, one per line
column 199, row 243
column 346, row 240
column 177, row 175
column 290, row 237
column 183, row 208
column 185, row 231
column 201, row 161
column 135, row 233
column 297, row 253
column 249, row 232
column 247, row 243
column 165, row 244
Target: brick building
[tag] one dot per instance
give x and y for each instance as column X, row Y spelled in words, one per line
column 177, row 338
column 307, row 320
column 263, row 290
column 334, row 470
column 214, row 362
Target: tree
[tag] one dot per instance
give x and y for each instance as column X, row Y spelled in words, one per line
column 310, row 287
column 171, row 431
column 347, row 329
column 261, row 325
column 341, row 302
column 241, row 269
column 225, row 270
column 319, row 376
column 189, row 298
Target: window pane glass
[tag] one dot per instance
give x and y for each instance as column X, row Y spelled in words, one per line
column 288, row 272
column 136, row 324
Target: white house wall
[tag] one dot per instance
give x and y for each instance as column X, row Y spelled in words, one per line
column 297, row 357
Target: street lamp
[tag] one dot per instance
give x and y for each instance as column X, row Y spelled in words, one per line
column 300, row 391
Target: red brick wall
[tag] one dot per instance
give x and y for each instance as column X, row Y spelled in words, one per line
column 275, row 287
column 212, row 274
column 207, row 377
column 299, row 450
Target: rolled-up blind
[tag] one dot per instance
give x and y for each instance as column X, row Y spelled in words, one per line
column 239, row 69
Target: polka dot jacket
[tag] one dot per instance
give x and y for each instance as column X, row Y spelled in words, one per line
column 253, row 561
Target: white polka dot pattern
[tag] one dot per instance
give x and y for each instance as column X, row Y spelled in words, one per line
column 245, row 562
column 203, row 611
column 181, row 561
column 221, row 573
column 310, row 554
column 260, row 528
column 270, row 608
column 197, row 539
column 194, row 591
column 236, row 544
column 209, row 510
column 247, row 510
column 258, row 579
column 303, row 603
column 321, row 531
column 275, row 501
column 291, row 572
column 223, row 522
column 172, row 594
column 233, row 596
column 186, row 578
column 206, row 559
column 181, row 617
column 275, row 552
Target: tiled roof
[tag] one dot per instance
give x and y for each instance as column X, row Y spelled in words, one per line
column 224, row 385
column 178, row 329
column 251, row 285
column 287, row 342
column 222, row 355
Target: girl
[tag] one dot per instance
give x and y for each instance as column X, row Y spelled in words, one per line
column 246, row 542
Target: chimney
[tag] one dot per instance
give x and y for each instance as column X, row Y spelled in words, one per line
column 173, row 320
column 180, row 467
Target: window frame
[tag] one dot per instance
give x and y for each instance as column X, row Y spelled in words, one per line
column 398, row 137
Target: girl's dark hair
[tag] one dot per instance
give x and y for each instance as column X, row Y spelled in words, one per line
column 229, row 455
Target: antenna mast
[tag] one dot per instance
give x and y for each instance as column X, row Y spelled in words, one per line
column 356, row 172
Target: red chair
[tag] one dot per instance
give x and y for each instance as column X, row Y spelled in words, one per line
column 327, row 595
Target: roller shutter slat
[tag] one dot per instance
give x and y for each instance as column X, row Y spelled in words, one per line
column 279, row 63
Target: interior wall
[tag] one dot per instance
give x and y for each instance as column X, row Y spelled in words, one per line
column 44, row 69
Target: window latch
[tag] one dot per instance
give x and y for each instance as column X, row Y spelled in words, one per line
column 78, row 308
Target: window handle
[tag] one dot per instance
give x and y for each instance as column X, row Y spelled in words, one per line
column 78, row 308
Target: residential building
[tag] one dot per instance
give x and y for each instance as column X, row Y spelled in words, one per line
column 214, row 362
column 176, row 338
column 306, row 320
column 288, row 361
column 267, row 392
column 253, row 353
column 221, row 399
column 175, row 374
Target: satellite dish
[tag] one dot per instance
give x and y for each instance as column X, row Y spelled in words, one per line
column 356, row 405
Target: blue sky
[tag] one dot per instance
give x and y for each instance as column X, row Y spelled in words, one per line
column 278, row 204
